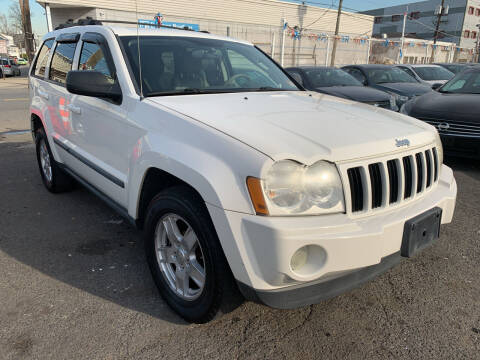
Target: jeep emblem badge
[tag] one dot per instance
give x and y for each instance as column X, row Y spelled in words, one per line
column 402, row 142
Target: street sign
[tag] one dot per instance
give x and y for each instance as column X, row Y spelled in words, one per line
column 151, row 24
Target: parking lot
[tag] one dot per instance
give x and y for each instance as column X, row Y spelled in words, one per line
column 75, row 283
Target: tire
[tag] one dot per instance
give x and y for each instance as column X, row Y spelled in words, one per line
column 53, row 177
column 182, row 206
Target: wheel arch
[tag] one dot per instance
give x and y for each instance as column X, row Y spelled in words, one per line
column 155, row 180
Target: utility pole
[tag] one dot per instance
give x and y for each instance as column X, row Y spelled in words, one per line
column 477, row 45
column 437, row 26
column 337, row 26
column 400, row 52
column 27, row 28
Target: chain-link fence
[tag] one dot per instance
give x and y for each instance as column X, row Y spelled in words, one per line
column 292, row 48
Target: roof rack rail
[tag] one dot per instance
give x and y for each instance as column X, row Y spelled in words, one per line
column 81, row 22
column 89, row 21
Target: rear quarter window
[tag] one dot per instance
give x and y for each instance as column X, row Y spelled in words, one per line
column 62, row 62
column 42, row 58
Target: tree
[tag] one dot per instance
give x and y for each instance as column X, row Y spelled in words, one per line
column 15, row 16
column 4, row 25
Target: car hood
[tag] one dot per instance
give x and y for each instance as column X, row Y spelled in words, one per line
column 304, row 126
column 405, row 89
column 357, row 93
column 441, row 106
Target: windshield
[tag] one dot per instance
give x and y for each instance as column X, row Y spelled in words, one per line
column 174, row 65
column 454, row 68
column 464, row 83
column 389, row 75
column 429, row 73
column 331, row 77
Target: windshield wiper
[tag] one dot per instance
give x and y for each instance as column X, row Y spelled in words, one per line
column 187, row 91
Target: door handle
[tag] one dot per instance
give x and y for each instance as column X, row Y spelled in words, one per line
column 43, row 94
column 74, row 109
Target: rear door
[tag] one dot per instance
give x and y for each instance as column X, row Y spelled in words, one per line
column 54, row 90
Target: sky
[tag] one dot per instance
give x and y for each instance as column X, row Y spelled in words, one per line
column 39, row 23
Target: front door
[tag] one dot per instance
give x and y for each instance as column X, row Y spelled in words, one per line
column 101, row 137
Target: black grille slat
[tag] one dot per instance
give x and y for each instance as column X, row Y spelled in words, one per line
column 428, row 161
column 435, row 164
column 376, row 184
column 393, row 180
column 407, row 166
column 418, row 158
column 356, row 188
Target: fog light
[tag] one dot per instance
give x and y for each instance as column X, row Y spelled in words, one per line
column 299, row 259
column 308, row 260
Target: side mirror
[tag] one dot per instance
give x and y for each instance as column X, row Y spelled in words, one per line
column 297, row 77
column 437, row 86
column 93, row 83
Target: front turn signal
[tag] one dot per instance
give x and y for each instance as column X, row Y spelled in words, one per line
column 256, row 195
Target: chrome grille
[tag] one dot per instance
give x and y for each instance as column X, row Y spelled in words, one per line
column 386, row 183
column 455, row 128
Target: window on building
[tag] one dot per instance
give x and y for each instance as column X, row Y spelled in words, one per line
column 470, row 10
column 415, row 15
column 474, row 34
column 466, row 34
column 43, row 58
column 477, row 12
column 62, row 62
column 378, row 19
column 396, row 18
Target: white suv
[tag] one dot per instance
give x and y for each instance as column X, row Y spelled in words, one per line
column 246, row 185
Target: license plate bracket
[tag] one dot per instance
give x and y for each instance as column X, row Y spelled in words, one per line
column 421, row 231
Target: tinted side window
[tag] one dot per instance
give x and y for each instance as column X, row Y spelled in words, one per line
column 92, row 58
column 62, row 62
column 43, row 58
column 357, row 74
column 408, row 71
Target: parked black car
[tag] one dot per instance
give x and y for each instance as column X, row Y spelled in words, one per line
column 454, row 110
column 390, row 79
column 455, row 67
column 337, row 82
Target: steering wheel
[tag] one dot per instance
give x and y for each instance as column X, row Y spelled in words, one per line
column 237, row 81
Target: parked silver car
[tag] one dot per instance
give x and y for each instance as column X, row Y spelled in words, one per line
column 428, row 73
column 8, row 68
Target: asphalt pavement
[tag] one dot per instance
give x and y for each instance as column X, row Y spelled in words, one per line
column 74, row 284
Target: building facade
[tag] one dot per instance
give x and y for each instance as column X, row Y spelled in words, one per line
column 457, row 24
column 258, row 21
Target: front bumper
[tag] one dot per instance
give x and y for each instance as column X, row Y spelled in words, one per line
column 259, row 249
column 461, row 146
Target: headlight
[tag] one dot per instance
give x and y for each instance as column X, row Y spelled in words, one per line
column 402, row 99
column 292, row 188
column 439, row 148
column 393, row 103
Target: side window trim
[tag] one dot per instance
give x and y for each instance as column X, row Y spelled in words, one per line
column 47, row 65
column 50, row 61
column 99, row 39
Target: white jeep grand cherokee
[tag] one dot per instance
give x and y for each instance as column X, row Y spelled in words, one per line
column 245, row 184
